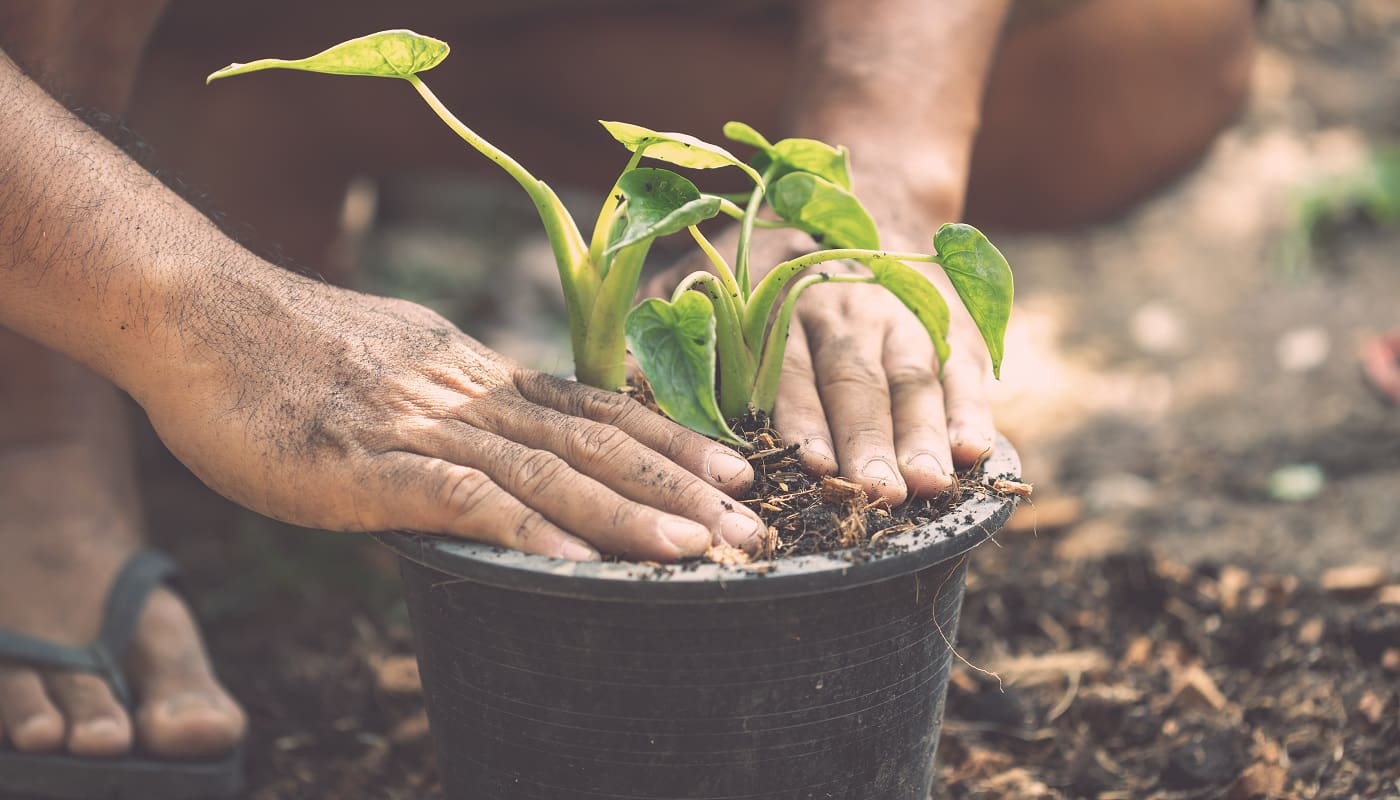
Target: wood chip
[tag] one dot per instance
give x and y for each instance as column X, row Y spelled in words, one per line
column 410, row 730
column 1138, row 653
column 1390, row 659
column 839, row 492
column 1048, row 668
column 1093, row 540
column 1259, row 780
column 397, row 675
column 1355, row 579
column 1194, row 689
column 1312, row 631
column 1372, row 706
column 727, row 554
column 1233, row 581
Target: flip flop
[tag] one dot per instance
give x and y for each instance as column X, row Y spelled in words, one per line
column 1380, row 364
column 134, row 776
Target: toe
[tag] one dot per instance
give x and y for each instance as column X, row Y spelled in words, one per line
column 184, row 712
column 31, row 721
column 97, row 724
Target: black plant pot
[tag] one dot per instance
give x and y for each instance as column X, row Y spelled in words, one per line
column 824, row 678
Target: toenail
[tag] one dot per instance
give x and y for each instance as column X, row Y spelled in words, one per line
column 185, row 701
column 102, row 726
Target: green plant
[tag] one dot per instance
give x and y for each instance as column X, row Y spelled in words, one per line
column 713, row 350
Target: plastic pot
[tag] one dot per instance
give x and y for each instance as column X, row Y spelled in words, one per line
column 823, row 678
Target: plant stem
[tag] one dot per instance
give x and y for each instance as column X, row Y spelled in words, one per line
column 602, row 360
column 770, row 366
column 736, row 361
column 721, row 267
column 731, row 209
column 578, row 275
column 765, row 295
column 746, row 223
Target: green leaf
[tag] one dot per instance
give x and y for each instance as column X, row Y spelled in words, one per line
column 807, row 155
column 677, row 148
column 982, row 278
column 387, row 54
column 825, row 210
column 919, row 295
column 659, row 203
column 675, row 345
column 745, row 134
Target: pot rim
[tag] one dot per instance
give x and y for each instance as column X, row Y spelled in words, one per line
column 932, row 543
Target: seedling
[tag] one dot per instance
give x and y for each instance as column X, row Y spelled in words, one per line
column 714, row 350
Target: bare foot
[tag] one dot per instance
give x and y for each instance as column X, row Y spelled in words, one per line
column 68, row 521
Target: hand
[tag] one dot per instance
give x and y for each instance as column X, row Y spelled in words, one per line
column 860, row 392
column 338, row 410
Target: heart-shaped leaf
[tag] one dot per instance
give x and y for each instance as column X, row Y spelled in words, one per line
column 659, row 203
column 675, row 345
column 677, row 148
column 387, row 54
column 806, row 155
column 919, row 295
column 983, row 280
column 823, row 209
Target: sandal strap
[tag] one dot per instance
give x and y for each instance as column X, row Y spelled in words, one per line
column 126, row 599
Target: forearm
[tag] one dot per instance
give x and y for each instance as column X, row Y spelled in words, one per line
column 98, row 259
column 900, row 82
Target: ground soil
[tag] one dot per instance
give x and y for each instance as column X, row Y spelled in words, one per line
column 1157, row 619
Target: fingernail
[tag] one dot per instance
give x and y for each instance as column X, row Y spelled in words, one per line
column 574, row 551
column 880, row 470
column 926, row 462
column 724, row 466
column 818, row 448
column 690, row 537
column 739, row 530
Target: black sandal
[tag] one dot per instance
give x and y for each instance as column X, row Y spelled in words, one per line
column 129, row 777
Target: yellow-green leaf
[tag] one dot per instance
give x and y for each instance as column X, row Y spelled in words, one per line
column 677, row 148
column 387, row 54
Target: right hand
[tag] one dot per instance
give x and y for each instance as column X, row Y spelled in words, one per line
column 337, row 410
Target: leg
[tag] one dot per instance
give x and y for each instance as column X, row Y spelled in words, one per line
column 69, row 516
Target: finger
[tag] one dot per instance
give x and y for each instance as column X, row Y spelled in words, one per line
column 916, row 405
column 633, row 470
column 433, row 495
column 707, row 458
column 575, row 502
column 971, row 431
column 856, row 396
column 797, row 409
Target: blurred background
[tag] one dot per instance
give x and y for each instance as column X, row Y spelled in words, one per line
column 1213, row 476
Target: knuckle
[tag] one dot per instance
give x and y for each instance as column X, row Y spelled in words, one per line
column 609, row 407
column 845, row 374
column 909, row 378
column 536, row 471
column 600, row 443
column 466, row 493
